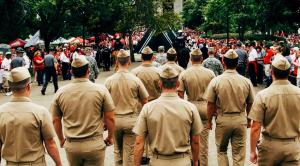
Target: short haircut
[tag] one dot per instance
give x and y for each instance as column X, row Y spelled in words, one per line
column 280, row 74
column 21, row 85
column 169, row 83
column 123, row 60
column 252, row 44
column 196, row 58
column 80, row 71
column 231, row 63
column 147, row 57
column 171, row 57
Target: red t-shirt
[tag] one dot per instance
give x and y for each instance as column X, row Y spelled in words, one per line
column 36, row 65
column 267, row 58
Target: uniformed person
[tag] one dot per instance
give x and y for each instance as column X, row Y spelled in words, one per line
column 194, row 82
column 94, row 70
column 228, row 96
column 277, row 110
column 148, row 74
column 84, row 107
column 171, row 57
column 213, row 63
column 171, row 124
column 127, row 91
column 24, row 126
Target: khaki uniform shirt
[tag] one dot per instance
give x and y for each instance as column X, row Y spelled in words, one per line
column 178, row 68
column 168, row 122
column 194, row 82
column 23, row 127
column 81, row 104
column 149, row 75
column 231, row 92
column 277, row 108
column 127, row 91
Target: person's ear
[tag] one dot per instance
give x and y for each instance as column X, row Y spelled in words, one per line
column 88, row 72
column 160, row 84
column 177, row 84
column 28, row 87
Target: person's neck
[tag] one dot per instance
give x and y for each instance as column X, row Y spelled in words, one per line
column 169, row 90
column 147, row 62
column 21, row 94
column 171, row 61
column 211, row 55
column 84, row 77
column 123, row 68
column 196, row 63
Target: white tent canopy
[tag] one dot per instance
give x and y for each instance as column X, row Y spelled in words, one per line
column 35, row 40
column 60, row 40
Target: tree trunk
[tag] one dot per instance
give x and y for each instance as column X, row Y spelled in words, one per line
column 131, row 47
column 83, row 36
column 227, row 28
column 47, row 43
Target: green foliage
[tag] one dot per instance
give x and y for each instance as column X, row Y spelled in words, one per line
column 250, row 37
column 192, row 13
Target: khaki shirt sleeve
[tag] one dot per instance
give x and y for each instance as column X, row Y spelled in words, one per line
column 258, row 109
column 108, row 104
column 47, row 128
column 250, row 98
column 143, row 94
column 181, row 87
column 140, row 127
column 197, row 125
column 210, row 93
column 54, row 108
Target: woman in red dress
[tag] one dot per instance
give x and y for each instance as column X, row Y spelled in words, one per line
column 38, row 66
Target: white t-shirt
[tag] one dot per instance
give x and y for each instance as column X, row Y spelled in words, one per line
column 252, row 55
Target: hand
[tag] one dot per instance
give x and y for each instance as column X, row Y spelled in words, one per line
column 195, row 163
column 56, row 72
column 62, row 142
column 109, row 141
column 253, row 157
column 209, row 125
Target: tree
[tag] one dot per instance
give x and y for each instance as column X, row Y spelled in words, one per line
column 49, row 16
column 192, row 13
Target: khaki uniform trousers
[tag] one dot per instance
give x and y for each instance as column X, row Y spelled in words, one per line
column 237, row 135
column 124, row 139
column 39, row 162
column 85, row 152
column 204, row 135
column 284, row 152
column 175, row 160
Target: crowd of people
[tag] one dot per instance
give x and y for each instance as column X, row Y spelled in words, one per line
column 162, row 113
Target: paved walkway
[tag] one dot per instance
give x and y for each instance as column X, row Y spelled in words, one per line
column 109, row 159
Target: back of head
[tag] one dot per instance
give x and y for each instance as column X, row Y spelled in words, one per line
column 171, row 54
column 19, row 78
column 168, row 77
column 123, row 57
column 147, row 54
column 161, row 49
column 196, row 55
column 281, row 67
column 79, row 66
column 231, row 59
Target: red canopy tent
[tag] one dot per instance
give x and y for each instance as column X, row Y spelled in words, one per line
column 17, row 43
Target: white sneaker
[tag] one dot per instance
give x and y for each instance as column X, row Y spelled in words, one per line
column 8, row 93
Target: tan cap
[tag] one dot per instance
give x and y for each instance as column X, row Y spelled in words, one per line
column 79, row 61
column 211, row 49
column 196, row 52
column 172, row 51
column 168, row 72
column 123, row 54
column 231, row 54
column 147, row 51
column 281, row 63
column 161, row 48
column 18, row 74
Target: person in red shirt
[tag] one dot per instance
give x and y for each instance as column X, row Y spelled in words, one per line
column 267, row 65
column 38, row 66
